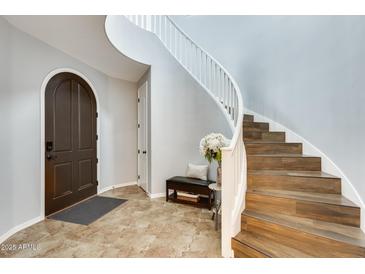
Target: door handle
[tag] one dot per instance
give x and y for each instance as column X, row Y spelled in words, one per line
column 49, row 146
column 50, row 157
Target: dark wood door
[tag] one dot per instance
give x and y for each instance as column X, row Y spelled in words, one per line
column 70, row 134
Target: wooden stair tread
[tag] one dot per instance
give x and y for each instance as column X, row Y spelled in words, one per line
column 253, row 148
column 246, row 128
column 283, row 155
column 264, row 136
column 283, row 161
column 342, row 233
column 294, row 180
column 332, row 199
column 259, row 141
column 251, row 124
column 267, row 246
column 315, row 174
column 248, row 118
column 270, row 142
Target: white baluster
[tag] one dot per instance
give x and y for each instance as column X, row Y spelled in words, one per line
column 207, row 62
column 193, row 59
column 165, row 30
column 230, row 98
column 221, row 85
column 205, row 69
column 201, row 66
column 186, row 53
column 217, row 75
column 211, row 77
column 215, row 90
column 153, row 23
column 170, row 36
column 176, row 35
column 236, row 108
column 173, row 39
column 224, row 90
column 159, row 19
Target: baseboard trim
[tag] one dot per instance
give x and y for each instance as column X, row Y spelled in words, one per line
column 116, row 186
column 22, row 226
column 156, row 195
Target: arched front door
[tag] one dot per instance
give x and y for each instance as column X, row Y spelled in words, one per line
column 70, row 135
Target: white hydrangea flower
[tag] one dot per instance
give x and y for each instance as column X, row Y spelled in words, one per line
column 211, row 144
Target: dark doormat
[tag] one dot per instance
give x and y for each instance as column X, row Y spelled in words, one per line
column 88, row 211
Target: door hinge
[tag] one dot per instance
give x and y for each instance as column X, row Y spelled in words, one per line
column 97, row 137
column 139, row 177
column 97, row 182
column 139, row 125
column 97, row 160
column 139, row 151
column 97, row 115
column 138, row 100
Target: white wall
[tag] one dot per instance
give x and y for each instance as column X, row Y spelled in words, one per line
column 181, row 111
column 25, row 62
column 305, row 72
column 6, row 156
column 118, row 133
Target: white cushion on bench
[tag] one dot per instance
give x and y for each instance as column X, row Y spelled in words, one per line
column 197, row 171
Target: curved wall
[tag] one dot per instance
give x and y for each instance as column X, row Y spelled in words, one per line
column 304, row 72
column 181, row 111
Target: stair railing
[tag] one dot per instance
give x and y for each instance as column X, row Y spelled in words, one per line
column 221, row 86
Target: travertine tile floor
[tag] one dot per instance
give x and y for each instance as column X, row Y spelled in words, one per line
column 141, row 227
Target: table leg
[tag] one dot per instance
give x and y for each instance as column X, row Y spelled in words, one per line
column 217, row 209
column 214, row 203
column 216, row 219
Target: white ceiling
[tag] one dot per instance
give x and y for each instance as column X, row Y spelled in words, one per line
column 84, row 38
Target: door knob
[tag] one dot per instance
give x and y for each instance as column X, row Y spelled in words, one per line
column 49, row 146
column 50, row 157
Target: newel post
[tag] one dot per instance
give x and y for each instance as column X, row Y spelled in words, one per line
column 227, row 201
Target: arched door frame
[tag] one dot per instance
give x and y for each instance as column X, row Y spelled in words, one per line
column 43, row 94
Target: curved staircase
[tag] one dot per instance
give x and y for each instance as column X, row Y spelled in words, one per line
column 293, row 209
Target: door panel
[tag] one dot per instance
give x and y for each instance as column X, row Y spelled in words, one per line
column 62, row 103
column 85, row 174
column 85, row 125
column 62, row 180
column 70, row 115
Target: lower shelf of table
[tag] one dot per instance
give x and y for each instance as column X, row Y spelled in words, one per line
column 203, row 202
